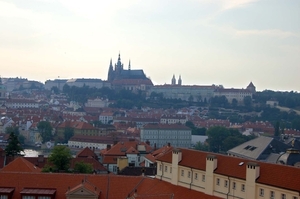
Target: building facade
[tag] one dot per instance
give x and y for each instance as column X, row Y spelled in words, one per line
column 161, row 134
column 228, row 177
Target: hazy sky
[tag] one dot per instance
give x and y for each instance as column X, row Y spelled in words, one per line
column 228, row 42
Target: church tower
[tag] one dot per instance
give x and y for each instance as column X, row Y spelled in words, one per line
column 179, row 81
column 173, row 82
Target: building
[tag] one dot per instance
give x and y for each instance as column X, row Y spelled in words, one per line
column 59, row 83
column 237, row 94
column 173, row 119
column 20, row 184
column 129, row 79
column 261, row 148
column 106, row 117
column 96, row 103
column 161, row 134
column 24, row 103
column 194, row 93
column 133, row 151
column 228, row 177
column 92, row 83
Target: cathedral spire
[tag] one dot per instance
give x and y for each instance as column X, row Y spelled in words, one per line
column 110, row 64
column 129, row 66
column 119, row 58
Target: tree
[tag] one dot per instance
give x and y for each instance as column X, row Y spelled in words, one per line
column 216, row 136
column 21, row 139
column 234, row 102
column 45, row 130
column 248, row 101
column 82, row 167
column 277, row 129
column 68, row 133
column 14, row 146
column 60, row 157
column 202, row 146
column 10, row 129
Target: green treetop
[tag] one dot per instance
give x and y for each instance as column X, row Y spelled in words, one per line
column 14, row 146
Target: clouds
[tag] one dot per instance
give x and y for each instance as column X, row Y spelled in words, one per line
column 206, row 41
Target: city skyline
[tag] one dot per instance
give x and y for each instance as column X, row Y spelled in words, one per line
column 222, row 42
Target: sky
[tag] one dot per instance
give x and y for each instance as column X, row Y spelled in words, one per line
column 221, row 42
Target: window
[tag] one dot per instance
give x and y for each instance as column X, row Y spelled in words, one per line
column 261, row 192
column 170, row 169
column 3, row 197
column 226, row 183
column 28, row 197
column 243, row 187
column 272, row 195
column 182, row 172
column 166, row 168
column 114, row 168
column 203, row 178
column 283, row 196
column 196, row 176
column 189, row 174
column 160, row 167
column 44, row 197
column 218, row 181
column 295, row 197
column 233, row 185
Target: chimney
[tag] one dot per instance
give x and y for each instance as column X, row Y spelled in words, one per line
column 154, row 146
column 148, row 142
column 252, row 173
column 40, row 158
column 211, row 165
column 108, row 147
column 169, row 144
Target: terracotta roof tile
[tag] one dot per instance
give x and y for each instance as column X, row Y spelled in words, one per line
column 20, row 164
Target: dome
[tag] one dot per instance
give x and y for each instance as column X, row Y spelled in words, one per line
column 290, row 157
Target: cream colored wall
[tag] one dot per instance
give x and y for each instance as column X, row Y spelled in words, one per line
column 267, row 191
column 220, row 190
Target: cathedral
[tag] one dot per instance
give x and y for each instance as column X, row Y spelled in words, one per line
column 118, row 72
column 134, row 80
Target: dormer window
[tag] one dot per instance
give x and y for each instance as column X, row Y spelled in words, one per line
column 38, row 193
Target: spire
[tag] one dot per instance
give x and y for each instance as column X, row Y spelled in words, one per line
column 173, row 80
column 129, row 66
column 179, row 80
column 119, row 58
column 110, row 64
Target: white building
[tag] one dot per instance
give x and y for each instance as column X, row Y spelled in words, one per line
column 97, row 103
column 161, row 134
column 173, row 119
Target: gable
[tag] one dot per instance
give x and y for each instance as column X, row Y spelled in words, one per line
column 81, row 192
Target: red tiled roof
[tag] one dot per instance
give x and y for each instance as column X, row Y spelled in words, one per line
column 95, row 164
column 86, row 152
column 120, row 148
column 21, row 165
column 111, row 186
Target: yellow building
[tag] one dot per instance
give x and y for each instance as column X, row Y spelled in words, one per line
column 228, row 177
